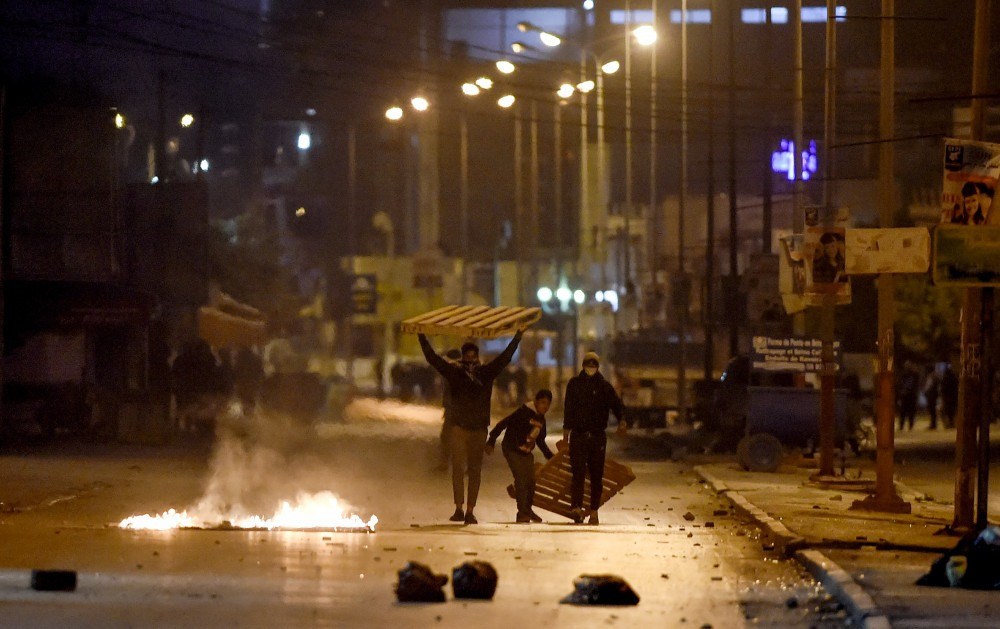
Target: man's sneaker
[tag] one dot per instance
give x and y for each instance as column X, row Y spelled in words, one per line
column 522, row 518
column 458, row 516
column 594, row 520
column 470, row 519
column 534, row 517
column 577, row 515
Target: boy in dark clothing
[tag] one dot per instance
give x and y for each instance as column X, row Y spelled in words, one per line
column 589, row 399
column 525, row 428
column 470, row 388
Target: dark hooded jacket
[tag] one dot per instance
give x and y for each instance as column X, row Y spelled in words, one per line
column 589, row 400
column 469, row 391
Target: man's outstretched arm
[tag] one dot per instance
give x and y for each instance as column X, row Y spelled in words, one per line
column 432, row 357
column 496, row 365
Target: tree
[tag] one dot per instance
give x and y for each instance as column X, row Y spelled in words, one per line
column 927, row 319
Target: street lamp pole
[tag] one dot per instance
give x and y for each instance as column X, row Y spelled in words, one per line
column 627, row 237
column 464, row 195
column 681, row 209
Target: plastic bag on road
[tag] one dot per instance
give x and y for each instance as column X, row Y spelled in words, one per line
column 474, row 579
column 974, row 563
column 418, row 584
column 601, row 589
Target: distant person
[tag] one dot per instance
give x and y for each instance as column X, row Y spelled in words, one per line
column 949, row 396
column 907, row 393
column 524, row 429
column 932, row 387
column 470, row 385
column 589, row 400
column 248, row 375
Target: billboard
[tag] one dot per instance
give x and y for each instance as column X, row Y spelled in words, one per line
column 971, row 170
column 889, row 250
column 967, row 255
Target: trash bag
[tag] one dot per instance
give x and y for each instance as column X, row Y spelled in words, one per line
column 418, row 584
column 474, row 579
column 974, row 563
column 601, row 589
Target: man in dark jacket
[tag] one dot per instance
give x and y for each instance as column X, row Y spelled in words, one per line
column 525, row 428
column 589, row 399
column 470, row 389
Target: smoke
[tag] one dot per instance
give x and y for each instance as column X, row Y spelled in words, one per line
column 368, row 461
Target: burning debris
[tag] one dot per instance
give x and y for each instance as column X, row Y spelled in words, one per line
column 253, row 473
column 320, row 511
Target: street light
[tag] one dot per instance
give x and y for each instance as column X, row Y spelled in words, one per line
column 645, row 35
column 420, row 103
column 484, row 82
column 506, row 101
column 470, row 89
column 565, row 90
column 549, row 39
column 394, row 113
column 505, row 66
column 187, row 120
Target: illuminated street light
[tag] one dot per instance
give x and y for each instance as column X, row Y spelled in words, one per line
column 305, row 141
column 187, row 120
column 505, row 66
column 565, row 90
column 204, row 165
column 119, row 121
column 579, row 296
column 563, row 293
column 420, row 103
column 484, row 82
column 588, row 5
column 611, row 67
column 549, row 39
column 394, row 113
column 470, row 89
column 519, row 46
column 585, row 86
column 544, row 294
column 506, row 101
column 300, row 212
column 645, row 35
column 524, row 27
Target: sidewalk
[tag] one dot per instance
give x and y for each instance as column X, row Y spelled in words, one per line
column 868, row 560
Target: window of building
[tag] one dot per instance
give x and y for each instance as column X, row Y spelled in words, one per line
column 780, row 15
column 694, row 16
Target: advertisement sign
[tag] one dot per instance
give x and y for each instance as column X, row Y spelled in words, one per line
column 967, row 255
column 889, row 250
column 795, row 355
column 364, row 294
column 971, row 170
column 824, row 257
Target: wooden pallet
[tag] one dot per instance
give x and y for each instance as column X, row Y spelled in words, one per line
column 481, row 322
column 553, row 483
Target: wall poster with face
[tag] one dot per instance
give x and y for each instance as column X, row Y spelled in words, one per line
column 971, row 171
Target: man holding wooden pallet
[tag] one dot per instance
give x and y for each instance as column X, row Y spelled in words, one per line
column 470, row 388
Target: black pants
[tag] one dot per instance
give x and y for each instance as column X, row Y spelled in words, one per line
column 522, row 466
column 586, row 456
column 932, row 410
column 466, row 457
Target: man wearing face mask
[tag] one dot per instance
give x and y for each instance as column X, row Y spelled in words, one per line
column 470, row 389
column 589, row 399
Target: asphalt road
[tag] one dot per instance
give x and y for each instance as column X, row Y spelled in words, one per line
column 61, row 503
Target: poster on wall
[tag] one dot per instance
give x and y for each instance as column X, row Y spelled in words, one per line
column 888, row 250
column 824, row 255
column 971, row 170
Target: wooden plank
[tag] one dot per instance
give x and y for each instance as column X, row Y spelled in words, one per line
column 554, row 478
column 472, row 321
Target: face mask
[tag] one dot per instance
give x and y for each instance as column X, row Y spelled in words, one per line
column 590, row 370
column 470, row 366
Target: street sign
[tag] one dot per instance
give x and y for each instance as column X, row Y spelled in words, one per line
column 364, row 294
column 794, row 355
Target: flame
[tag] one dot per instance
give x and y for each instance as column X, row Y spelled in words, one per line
column 322, row 510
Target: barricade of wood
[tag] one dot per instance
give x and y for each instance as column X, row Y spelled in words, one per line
column 553, row 482
column 482, row 322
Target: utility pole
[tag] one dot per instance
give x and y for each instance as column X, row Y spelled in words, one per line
column 681, row 209
column 463, row 158
column 734, row 227
column 708, row 312
column 885, row 498
column 970, row 392
column 654, row 207
column 798, row 218
column 980, row 58
column 519, row 244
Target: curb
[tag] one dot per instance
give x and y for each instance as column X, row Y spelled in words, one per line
column 834, row 579
column 787, row 541
column 839, row 583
